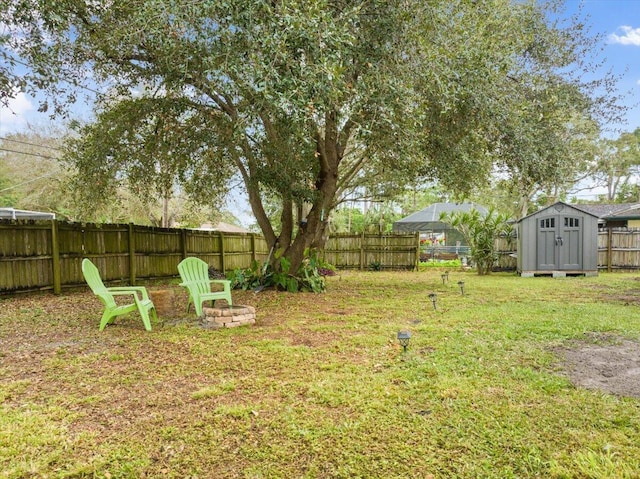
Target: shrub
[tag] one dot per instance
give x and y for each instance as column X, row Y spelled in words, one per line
column 375, row 266
column 452, row 263
column 480, row 232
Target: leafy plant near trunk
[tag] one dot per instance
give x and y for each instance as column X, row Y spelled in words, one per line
column 310, row 276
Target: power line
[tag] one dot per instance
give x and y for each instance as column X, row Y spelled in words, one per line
column 30, row 181
column 30, row 154
column 30, row 144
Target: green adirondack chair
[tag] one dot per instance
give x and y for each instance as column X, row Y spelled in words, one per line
column 195, row 278
column 142, row 303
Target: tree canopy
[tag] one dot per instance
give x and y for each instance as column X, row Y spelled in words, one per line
column 617, row 162
column 307, row 101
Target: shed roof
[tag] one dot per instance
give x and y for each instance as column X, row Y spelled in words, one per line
column 575, row 207
column 14, row 214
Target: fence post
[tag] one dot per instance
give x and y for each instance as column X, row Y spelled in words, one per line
column 417, row 250
column 132, row 256
column 222, row 265
column 253, row 247
column 362, row 251
column 55, row 257
column 183, row 241
column 609, row 248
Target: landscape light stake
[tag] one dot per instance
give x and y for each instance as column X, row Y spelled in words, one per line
column 403, row 339
column 461, row 284
column 433, row 297
column 444, row 277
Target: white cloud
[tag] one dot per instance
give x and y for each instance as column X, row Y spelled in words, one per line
column 630, row 36
column 13, row 116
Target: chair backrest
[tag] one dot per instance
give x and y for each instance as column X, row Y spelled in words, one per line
column 92, row 277
column 196, row 271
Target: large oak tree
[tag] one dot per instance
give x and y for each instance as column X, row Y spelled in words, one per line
column 307, row 100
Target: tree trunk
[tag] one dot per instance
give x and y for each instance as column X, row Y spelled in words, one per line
column 165, row 211
column 311, row 233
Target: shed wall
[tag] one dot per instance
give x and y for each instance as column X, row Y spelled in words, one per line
column 590, row 242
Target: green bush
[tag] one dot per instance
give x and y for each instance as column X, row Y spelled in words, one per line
column 453, row 263
column 375, row 266
column 480, row 232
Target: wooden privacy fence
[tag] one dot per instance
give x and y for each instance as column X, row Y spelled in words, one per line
column 619, row 249
column 48, row 254
column 362, row 251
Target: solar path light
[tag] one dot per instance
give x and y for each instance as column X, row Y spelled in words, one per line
column 461, row 284
column 403, row 339
column 433, row 297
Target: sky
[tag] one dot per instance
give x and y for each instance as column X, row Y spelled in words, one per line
column 619, row 22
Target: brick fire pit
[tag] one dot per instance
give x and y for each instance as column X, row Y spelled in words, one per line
column 228, row 316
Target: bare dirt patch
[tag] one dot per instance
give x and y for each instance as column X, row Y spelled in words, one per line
column 604, row 362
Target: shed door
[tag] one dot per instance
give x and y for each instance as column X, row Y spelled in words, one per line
column 570, row 243
column 559, row 245
column 547, row 252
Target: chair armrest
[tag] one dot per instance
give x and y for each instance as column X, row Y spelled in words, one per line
column 130, row 290
column 209, row 281
column 125, row 293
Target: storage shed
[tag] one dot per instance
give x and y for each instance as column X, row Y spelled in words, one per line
column 558, row 240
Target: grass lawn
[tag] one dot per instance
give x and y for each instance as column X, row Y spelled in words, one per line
column 319, row 386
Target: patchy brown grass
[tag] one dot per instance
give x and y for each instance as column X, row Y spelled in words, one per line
column 319, row 387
